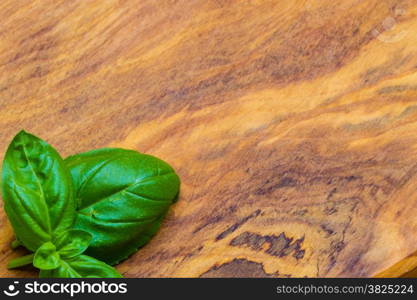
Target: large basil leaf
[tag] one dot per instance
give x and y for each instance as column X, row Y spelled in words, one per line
column 122, row 196
column 81, row 266
column 37, row 191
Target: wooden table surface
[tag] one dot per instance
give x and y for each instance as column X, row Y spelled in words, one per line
column 292, row 124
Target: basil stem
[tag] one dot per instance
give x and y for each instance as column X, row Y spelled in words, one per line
column 20, row 261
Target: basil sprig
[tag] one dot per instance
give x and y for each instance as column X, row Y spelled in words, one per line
column 106, row 203
column 39, row 200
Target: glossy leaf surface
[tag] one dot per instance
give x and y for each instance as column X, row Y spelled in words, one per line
column 46, row 257
column 122, row 196
column 37, row 191
column 72, row 243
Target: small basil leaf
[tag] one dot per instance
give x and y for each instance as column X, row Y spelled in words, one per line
column 46, row 257
column 122, row 196
column 63, row 271
column 81, row 266
column 72, row 242
column 37, row 191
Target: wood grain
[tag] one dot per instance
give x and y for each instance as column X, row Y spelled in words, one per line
column 291, row 123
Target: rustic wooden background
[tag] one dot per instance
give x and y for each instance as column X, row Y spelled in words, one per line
column 293, row 124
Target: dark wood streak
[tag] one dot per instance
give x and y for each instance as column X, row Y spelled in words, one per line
column 236, row 225
column 242, row 267
column 278, row 245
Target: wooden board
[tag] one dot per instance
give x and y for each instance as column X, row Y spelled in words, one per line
column 293, row 124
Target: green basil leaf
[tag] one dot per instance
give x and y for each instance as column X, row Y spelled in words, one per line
column 122, row 196
column 37, row 191
column 72, row 242
column 63, row 271
column 81, row 266
column 46, row 257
